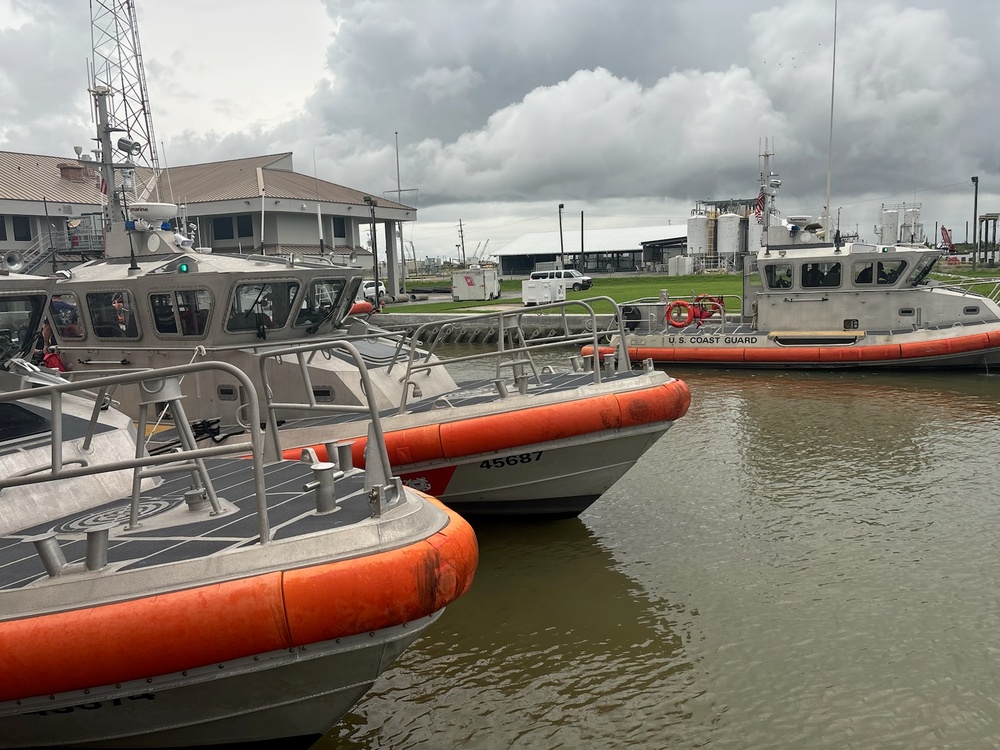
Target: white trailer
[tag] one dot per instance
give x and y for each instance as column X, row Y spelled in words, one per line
column 475, row 284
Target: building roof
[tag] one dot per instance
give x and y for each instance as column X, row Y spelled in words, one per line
column 60, row 179
column 31, row 177
column 595, row 240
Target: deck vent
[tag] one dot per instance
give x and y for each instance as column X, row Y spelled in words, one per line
column 323, row 393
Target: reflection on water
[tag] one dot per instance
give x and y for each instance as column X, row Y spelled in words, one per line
column 804, row 560
column 549, row 646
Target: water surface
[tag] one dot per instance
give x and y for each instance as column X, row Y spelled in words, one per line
column 806, row 560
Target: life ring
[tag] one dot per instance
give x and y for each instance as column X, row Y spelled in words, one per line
column 675, row 310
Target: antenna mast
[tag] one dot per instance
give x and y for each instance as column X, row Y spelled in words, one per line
column 117, row 63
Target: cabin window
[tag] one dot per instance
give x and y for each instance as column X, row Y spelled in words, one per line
column 22, row 228
column 921, row 269
column 20, row 319
column 183, row 312
column 222, row 228
column 970, row 311
column 889, row 271
column 322, row 299
column 64, row 313
column 3, row 228
column 112, row 314
column 244, row 225
column 339, row 227
column 262, row 304
column 863, row 273
column 778, row 275
column 907, row 312
column 820, row 275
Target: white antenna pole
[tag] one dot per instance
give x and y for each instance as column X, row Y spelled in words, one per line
column 829, row 157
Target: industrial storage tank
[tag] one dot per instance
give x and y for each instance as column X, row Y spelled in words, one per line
column 889, row 229
column 730, row 237
column 699, row 237
column 913, row 229
column 755, row 235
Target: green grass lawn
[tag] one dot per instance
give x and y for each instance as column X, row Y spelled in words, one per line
column 619, row 288
column 624, row 288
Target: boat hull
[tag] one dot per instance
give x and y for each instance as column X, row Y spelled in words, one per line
column 516, row 458
column 298, row 692
column 946, row 348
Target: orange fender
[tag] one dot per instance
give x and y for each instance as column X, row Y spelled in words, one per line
column 180, row 630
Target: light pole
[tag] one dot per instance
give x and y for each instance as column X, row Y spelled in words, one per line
column 975, row 221
column 371, row 205
column 562, row 259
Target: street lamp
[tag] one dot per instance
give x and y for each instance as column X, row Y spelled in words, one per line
column 562, row 259
column 975, row 221
column 371, row 205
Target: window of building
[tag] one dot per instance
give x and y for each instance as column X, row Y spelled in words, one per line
column 244, row 225
column 339, row 227
column 22, row 228
column 222, row 228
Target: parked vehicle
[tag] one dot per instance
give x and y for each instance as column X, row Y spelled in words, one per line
column 573, row 278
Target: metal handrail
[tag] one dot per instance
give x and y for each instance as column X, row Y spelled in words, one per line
column 592, row 337
column 57, row 470
column 302, row 354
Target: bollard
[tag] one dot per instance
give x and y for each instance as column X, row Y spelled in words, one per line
column 325, row 484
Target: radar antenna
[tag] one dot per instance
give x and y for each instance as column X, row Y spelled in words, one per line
column 118, row 65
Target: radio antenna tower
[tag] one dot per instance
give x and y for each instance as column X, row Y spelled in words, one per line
column 114, row 32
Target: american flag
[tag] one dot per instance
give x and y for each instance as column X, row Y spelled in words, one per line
column 759, row 208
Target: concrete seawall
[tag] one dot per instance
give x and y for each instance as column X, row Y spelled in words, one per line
column 479, row 330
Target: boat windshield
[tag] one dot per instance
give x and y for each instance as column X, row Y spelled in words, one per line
column 20, row 319
column 920, row 271
column 322, row 300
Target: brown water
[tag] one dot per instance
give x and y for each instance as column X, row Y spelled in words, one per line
column 806, row 560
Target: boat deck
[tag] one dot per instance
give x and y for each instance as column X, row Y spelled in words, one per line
column 169, row 532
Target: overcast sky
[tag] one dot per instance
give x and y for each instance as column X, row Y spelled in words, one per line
column 627, row 111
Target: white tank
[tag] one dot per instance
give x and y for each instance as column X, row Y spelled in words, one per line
column 698, row 236
column 912, row 229
column 755, row 235
column 729, row 235
column 889, row 226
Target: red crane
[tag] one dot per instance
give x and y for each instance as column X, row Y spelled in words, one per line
column 946, row 240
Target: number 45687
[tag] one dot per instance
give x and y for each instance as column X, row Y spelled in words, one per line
column 521, row 458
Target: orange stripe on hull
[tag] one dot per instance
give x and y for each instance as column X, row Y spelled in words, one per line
column 180, row 630
column 821, row 354
column 537, row 424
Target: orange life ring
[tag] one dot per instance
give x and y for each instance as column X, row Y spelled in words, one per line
column 673, row 317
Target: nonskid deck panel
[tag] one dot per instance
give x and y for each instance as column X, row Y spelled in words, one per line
column 291, row 513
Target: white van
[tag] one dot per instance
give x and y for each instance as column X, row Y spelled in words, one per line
column 573, row 278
